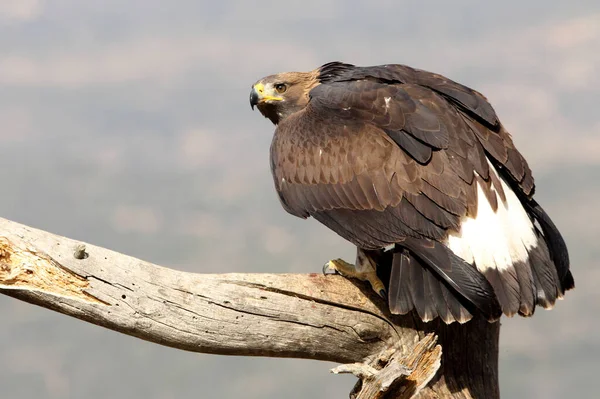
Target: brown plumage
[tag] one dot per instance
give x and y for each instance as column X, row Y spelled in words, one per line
column 391, row 155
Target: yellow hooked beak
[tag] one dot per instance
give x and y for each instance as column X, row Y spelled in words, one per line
column 260, row 95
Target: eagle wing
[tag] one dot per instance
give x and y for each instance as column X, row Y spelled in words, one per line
column 382, row 161
column 473, row 107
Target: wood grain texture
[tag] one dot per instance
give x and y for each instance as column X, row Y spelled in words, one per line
column 392, row 373
column 279, row 315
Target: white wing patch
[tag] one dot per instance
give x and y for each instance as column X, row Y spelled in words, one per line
column 495, row 239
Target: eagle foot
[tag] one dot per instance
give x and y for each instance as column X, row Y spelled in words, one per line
column 365, row 272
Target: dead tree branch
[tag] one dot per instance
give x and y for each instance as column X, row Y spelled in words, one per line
column 280, row 315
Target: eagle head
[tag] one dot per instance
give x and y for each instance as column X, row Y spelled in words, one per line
column 281, row 95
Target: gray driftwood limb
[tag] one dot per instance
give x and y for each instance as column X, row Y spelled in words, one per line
column 281, row 315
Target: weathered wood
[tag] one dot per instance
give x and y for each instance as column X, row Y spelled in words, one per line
column 280, row 315
column 393, row 374
column 469, row 360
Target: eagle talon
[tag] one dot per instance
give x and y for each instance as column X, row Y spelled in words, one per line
column 341, row 267
column 348, row 270
column 329, row 267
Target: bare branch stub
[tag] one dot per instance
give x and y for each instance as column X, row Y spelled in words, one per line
column 393, row 373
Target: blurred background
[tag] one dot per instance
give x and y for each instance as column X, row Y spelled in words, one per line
column 127, row 125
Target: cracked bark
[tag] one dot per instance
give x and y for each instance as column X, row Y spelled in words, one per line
column 279, row 315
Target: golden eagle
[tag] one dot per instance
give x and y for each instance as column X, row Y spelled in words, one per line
column 411, row 164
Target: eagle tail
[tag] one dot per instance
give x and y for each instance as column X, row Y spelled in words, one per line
column 541, row 277
column 428, row 277
column 413, row 286
column 513, row 242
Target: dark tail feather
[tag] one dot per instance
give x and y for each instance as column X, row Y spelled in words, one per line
column 399, row 297
column 417, row 286
column 437, row 294
column 549, row 259
column 568, row 282
column 527, row 287
column 419, row 289
column 414, row 286
column 544, row 275
column 506, row 287
column 556, row 245
column 459, row 312
column 462, row 280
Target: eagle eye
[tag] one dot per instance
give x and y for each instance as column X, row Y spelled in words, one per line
column 280, row 88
